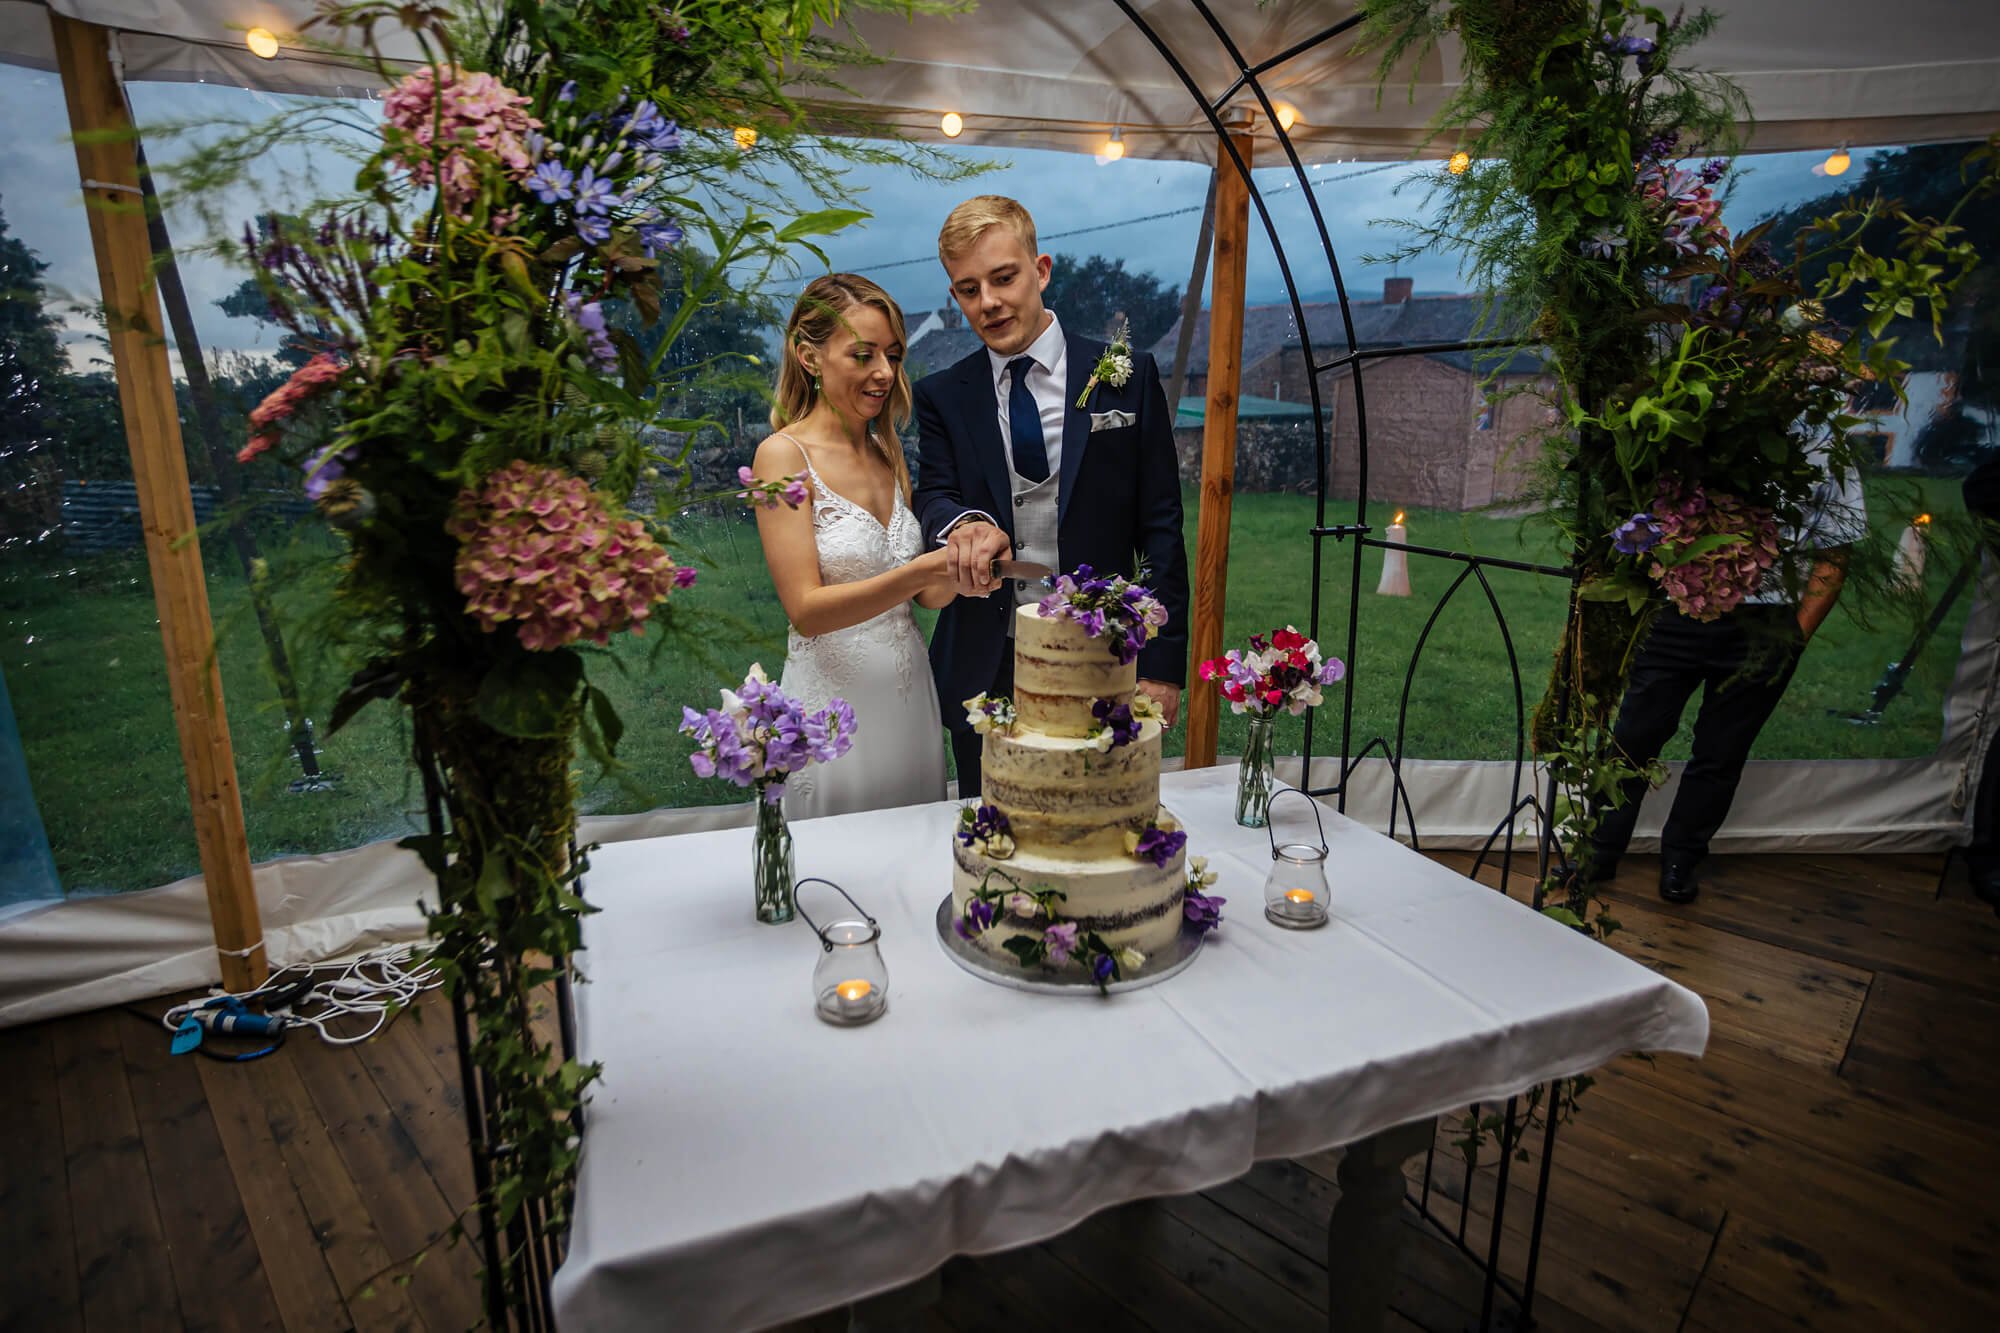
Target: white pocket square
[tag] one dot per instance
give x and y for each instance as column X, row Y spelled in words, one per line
column 1111, row 420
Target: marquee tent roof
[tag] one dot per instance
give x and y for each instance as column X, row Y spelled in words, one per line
column 1063, row 73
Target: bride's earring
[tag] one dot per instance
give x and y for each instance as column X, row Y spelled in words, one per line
column 815, row 386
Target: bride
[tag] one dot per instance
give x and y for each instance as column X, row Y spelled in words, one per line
column 848, row 565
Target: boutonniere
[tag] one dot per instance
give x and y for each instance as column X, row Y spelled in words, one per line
column 1113, row 368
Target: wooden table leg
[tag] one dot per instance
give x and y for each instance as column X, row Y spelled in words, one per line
column 1364, row 1235
column 898, row 1308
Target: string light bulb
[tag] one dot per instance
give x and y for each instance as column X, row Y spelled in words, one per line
column 1460, row 161
column 1837, row 162
column 263, row 43
column 1114, row 147
column 1288, row 115
column 746, row 138
column 953, row 124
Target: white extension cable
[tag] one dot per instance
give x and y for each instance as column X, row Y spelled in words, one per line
column 367, row 989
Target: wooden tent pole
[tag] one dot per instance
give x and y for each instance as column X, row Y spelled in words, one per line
column 108, row 165
column 1191, row 299
column 1218, row 440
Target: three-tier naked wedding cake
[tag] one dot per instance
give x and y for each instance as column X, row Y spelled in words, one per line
column 1072, row 859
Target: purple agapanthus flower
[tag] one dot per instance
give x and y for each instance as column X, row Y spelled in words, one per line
column 552, row 182
column 660, row 235
column 594, row 193
column 1603, row 244
column 1202, row 911
column 1714, row 170
column 1060, row 941
column 593, row 229
column 1159, row 846
column 589, row 316
column 1103, row 968
column 1637, row 535
column 653, row 131
column 567, row 93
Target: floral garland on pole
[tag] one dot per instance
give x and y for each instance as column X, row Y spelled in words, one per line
column 544, row 161
column 1701, row 391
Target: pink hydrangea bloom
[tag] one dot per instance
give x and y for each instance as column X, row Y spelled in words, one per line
column 284, row 402
column 447, row 109
column 1715, row 582
column 538, row 549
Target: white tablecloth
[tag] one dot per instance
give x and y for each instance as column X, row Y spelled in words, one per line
column 745, row 1163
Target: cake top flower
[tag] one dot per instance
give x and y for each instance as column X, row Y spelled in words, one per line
column 1115, row 608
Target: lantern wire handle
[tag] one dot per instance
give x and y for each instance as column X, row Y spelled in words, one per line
column 1271, row 827
column 824, row 942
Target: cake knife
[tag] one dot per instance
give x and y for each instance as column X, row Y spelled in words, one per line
column 1024, row 569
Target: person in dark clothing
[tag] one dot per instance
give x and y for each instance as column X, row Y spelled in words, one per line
column 1741, row 662
column 1982, row 854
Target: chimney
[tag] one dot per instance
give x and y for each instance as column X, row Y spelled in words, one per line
column 1395, row 291
column 953, row 317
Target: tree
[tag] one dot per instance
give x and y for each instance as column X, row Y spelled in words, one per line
column 708, row 365
column 31, row 373
column 1929, row 180
column 1092, row 293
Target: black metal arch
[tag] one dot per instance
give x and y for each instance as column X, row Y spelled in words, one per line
column 1353, row 358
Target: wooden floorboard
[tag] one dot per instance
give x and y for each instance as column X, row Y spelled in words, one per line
column 1827, row 1165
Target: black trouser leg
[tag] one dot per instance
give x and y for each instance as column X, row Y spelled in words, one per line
column 1666, row 671
column 967, row 745
column 1745, row 680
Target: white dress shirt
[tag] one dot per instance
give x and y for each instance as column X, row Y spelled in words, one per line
column 1048, row 382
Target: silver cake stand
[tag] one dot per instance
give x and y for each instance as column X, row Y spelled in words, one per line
column 1003, row 970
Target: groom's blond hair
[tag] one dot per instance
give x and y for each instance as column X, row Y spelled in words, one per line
column 979, row 215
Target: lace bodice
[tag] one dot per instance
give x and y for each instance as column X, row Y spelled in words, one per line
column 853, row 545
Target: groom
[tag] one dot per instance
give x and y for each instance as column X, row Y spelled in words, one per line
column 1010, row 467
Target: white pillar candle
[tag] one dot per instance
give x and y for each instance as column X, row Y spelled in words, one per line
column 1910, row 553
column 1395, row 564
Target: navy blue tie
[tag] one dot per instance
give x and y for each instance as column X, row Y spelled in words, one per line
column 1031, row 451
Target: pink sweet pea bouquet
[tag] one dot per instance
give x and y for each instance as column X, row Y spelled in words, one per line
column 1283, row 671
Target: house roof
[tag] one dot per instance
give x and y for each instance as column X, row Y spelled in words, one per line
column 935, row 348
column 1419, row 320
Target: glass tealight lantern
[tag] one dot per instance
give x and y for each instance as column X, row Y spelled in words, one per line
column 850, row 983
column 1295, row 892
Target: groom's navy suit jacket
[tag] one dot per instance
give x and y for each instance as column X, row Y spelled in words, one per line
column 1118, row 506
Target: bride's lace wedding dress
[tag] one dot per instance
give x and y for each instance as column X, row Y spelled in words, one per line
column 878, row 666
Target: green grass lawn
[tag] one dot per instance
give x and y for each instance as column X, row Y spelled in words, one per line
column 80, row 646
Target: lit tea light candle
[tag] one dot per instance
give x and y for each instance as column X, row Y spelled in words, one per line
column 1298, row 897
column 854, row 992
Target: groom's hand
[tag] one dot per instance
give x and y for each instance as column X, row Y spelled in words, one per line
column 970, row 551
column 1167, row 697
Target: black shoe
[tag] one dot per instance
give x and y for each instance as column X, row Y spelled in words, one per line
column 1678, row 882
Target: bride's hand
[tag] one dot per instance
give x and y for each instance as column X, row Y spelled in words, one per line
column 939, row 587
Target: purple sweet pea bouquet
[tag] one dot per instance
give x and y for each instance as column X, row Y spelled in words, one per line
column 1115, row 608
column 761, row 736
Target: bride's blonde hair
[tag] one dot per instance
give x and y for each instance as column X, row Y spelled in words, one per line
column 821, row 313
